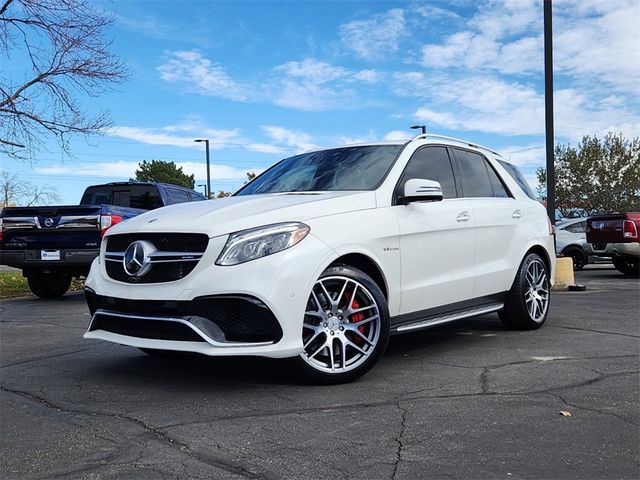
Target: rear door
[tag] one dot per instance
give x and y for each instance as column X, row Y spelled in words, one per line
column 498, row 218
column 436, row 238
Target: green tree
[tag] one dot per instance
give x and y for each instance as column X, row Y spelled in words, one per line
column 165, row 172
column 597, row 176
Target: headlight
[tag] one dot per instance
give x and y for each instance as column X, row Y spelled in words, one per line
column 259, row 242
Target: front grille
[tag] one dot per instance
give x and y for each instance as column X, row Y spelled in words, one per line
column 168, row 242
column 160, row 271
column 240, row 318
column 145, row 328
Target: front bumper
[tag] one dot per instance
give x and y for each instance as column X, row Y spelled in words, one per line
column 270, row 293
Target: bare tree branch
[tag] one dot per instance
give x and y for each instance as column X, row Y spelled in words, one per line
column 15, row 191
column 63, row 45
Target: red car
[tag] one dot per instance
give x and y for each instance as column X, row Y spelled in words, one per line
column 616, row 236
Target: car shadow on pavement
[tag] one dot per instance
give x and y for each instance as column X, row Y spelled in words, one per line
column 186, row 370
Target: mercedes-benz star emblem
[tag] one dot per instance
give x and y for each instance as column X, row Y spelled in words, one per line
column 136, row 261
column 48, row 222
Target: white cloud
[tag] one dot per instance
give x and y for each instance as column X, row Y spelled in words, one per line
column 203, row 75
column 396, row 135
column 127, row 169
column 314, row 85
column 480, row 103
column 290, row 138
column 481, row 77
column 264, row 148
column 530, row 155
column 100, row 169
column 604, row 47
column 313, row 70
column 372, row 39
column 217, row 138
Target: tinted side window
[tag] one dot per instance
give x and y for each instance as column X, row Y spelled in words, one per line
column 177, row 196
column 517, row 176
column 431, row 163
column 499, row 190
column 578, row 227
column 475, row 178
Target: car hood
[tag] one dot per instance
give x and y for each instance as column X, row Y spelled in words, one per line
column 226, row 215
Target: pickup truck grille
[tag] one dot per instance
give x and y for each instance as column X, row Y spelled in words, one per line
column 167, row 256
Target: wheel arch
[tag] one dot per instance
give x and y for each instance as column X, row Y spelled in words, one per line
column 542, row 253
column 368, row 266
column 571, row 246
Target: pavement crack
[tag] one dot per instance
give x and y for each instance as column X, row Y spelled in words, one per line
column 484, row 380
column 225, row 464
column 588, row 409
column 398, row 439
column 55, row 355
column 629, row 335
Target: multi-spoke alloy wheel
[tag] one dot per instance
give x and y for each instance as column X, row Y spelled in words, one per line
column 527, row 303
column 346, row 326
column 537, row 290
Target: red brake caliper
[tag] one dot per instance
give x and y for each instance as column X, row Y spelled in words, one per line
column 357, row 317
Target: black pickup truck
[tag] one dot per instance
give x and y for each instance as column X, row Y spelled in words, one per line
column 56, row 243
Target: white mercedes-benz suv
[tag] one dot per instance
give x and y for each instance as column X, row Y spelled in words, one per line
column 324, row 255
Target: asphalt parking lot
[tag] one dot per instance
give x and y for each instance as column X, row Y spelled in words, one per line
column 468, row 400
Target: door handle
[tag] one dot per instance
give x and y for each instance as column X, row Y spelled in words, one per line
column 463, row 217
column 517, row 214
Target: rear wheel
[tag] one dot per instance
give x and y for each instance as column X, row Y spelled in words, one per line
column 628, row 265
column 527, row 303
column 49, row 285
column 345, row 329
column 578, row 255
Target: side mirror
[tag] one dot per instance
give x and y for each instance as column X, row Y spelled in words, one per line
column 420, row 189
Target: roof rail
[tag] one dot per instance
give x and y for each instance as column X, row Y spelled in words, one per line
column 426, row 136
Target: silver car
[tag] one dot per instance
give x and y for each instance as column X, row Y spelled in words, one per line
column 571, row 236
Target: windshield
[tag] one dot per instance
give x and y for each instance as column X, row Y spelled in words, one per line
column 348, row 168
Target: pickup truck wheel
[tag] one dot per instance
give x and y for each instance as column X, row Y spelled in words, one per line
column 527, row 303
column 346, row 327
column 578, row 255
column 49, row 285
column 628, row 265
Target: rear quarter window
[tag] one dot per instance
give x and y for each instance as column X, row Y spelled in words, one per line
column 519, row 178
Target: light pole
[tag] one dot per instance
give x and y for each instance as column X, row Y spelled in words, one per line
column 206, row 142
column 205, row 188
column 548, row 96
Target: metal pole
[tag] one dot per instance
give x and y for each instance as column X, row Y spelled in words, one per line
column 208, row 171
column 548, row 96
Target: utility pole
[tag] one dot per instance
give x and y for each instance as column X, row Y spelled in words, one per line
column 206, row 142
column 548, row 97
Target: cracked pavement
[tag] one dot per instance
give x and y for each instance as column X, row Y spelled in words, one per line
column 466, row 400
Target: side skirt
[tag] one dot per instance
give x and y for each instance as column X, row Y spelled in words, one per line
column 447, row 313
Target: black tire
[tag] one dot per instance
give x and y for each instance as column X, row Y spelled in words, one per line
column 49, row 285
column 344, row 337
column 580, row 258
column 527, row 303
column 630, row 266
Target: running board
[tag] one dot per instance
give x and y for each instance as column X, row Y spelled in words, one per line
column 451, row 317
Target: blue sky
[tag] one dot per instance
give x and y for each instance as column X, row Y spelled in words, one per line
column 264, row 80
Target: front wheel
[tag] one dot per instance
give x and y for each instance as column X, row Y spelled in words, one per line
column 345, row 329
column 578, row 255
column 49, row 285
column 628, row 265
column 527, row 303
